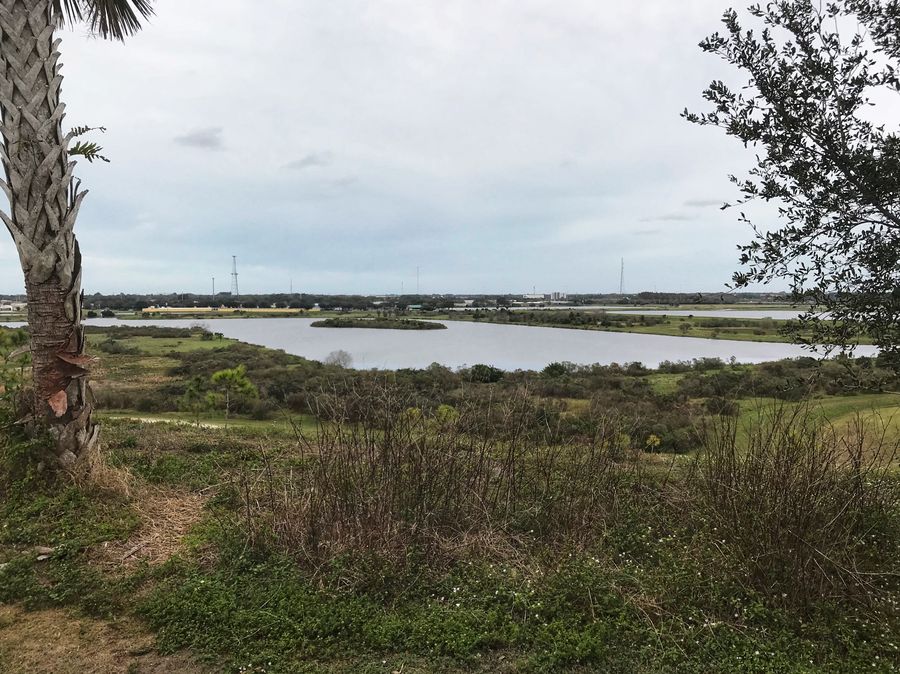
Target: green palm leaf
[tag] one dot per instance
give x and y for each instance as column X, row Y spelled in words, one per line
column 115, row 19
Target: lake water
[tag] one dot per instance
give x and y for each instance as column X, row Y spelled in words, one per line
column 509, row 347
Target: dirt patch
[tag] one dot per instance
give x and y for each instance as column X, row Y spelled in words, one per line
column 59, row 642
column 162, row 420
column 167, row 516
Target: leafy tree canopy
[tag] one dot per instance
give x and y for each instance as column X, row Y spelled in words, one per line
column 815, row 72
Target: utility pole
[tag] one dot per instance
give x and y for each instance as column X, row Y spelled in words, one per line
column 214, row 286
column 234, row 276
column 417, row 280
column 622, row 277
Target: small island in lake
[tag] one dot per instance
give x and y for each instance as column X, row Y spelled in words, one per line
column 379, row 323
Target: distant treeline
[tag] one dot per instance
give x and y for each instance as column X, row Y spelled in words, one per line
column 136, row 302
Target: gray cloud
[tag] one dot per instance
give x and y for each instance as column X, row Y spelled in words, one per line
column 702, row 203
column 205, row 139
column 481, row 141
column 312, row 160
column 670, row 217
column 345, row 183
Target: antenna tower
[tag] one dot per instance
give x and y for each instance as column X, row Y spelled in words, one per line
column 234, row 275
column 622, row 277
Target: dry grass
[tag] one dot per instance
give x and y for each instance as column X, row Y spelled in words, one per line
column 96, row 474
column 55, row 641
column 166, row 515
column 803, row 510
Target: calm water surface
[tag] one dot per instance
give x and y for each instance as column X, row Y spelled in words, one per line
column 509, row 347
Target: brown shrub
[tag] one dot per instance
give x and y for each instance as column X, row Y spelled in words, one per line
column 797, row 508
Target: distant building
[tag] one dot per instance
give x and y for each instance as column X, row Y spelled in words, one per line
column 557, row 296
column 534, row 296
column 10, row 307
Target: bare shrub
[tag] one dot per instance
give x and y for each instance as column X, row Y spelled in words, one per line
column 796, row 508
column 339, row 358
column 381, row 476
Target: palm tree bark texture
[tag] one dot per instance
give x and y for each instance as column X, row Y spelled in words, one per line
column 44, row 199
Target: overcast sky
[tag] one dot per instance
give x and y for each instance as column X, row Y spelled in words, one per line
column 498, row 145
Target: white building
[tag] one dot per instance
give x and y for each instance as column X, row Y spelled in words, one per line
column 9, row 307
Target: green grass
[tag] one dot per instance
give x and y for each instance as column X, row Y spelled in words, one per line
column 665, row 383
column 698, row 326
column 671, row 328
column 264, row 612
column 762, row 330
column 279, row 424
column 879, row 412
column 644, row 599
column 160, row 346
column 836, row 408
column 69, row 521
column 583, row 613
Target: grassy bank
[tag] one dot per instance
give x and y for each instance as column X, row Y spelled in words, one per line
column 633, row 321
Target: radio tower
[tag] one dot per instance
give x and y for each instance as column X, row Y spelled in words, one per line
column 622, row 277
column 234, row 283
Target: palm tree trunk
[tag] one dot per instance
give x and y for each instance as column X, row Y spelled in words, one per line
column 44, row 201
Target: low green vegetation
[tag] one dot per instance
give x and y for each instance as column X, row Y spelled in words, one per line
column 703, row 516
column 379, row 323
column 698, row 325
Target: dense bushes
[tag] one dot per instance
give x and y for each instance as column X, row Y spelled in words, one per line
column 483, row 374
column 661, row 418
column 786, row 510
column 799, row 511
column 114, row 346
column 382, row 476
column 795, row 379
column 126, row 331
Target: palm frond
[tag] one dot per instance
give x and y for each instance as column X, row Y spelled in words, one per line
column 87, row 149
column 81, row 130
column 115, row 19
